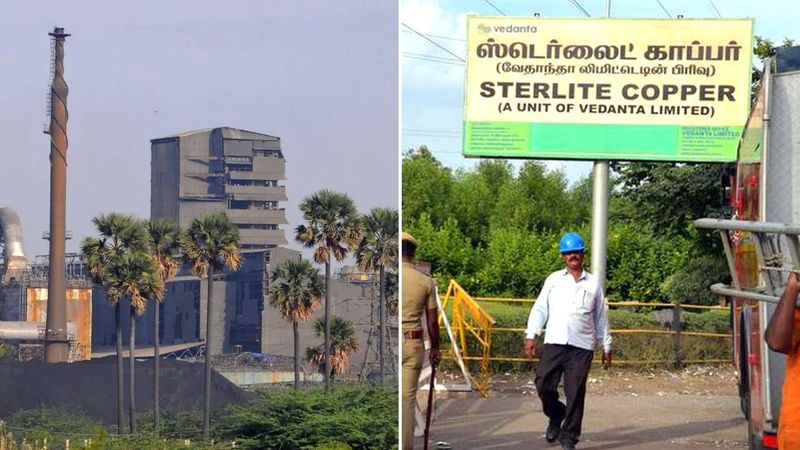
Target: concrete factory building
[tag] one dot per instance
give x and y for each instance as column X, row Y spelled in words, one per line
column 240, row 173
column 226, row 170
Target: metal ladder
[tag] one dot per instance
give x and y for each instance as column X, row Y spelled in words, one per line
column 769, row 239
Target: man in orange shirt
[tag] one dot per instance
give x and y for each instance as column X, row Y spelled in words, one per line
column 783, row 336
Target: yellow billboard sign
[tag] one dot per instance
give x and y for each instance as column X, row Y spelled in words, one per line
column 670, row 90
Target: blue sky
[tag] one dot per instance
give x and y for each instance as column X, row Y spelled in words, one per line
column 432, row 75
column 323, row 76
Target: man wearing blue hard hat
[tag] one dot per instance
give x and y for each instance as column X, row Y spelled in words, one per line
column 571, row 307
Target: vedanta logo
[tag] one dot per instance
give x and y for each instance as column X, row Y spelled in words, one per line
column 507, row 28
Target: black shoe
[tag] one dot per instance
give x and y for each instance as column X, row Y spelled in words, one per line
column 568, row 446
column 553, row 430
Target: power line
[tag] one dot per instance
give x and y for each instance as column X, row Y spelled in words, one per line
column 440, row 61
column 664, row 9
column 495, row 7
column 438, row 36
column 719, row 16
column 578, row 5
column 433, row 42
column 426, row 56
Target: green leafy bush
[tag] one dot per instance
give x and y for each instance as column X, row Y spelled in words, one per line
column 363, row 417
column 346, row 418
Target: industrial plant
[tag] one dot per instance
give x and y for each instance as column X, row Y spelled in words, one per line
column 223, row 169
column 50, row 310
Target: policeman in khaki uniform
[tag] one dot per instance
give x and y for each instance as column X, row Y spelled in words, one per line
column 419, row 298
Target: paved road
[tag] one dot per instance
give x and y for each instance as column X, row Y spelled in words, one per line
column 618, row 422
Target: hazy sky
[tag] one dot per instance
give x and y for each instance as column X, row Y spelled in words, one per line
column 323, row 76
column 433, row 75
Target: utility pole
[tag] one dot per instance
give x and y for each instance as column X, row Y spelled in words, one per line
column 56, row 344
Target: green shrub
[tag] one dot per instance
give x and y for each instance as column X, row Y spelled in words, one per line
column 53, row 424
column 347, row 418
column 707, row 322
column 363, row 417
column 626, row 319
column 333, row 446
column 692, row 282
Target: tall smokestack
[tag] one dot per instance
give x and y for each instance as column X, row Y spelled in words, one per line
column 56, row 345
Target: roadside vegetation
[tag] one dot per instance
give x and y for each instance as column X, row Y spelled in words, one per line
column 346, row 417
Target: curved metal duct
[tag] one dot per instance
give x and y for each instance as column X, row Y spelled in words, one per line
column 11, row 238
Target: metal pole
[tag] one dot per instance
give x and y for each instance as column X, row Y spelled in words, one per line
column 600, row 220
column 764, row 310
column 429, row 409
column 56, row 345
column 600, row 210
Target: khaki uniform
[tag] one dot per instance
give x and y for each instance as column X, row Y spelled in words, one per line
column 419, row 293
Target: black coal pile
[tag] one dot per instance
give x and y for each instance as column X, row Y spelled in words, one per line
column 89, row 387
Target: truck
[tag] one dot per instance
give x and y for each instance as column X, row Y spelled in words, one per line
column 762, row 238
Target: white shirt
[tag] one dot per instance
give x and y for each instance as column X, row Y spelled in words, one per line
column 574, row 312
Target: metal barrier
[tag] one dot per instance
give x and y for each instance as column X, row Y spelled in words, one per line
column 470, row 318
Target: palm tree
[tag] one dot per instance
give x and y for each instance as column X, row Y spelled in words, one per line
column 378, row 250
column 133, row 275
column 119, row 233
column 295, row 290
column 210, row 245
column 391, row 291
column 342, row 343
column 332, row 227
column 163, row 245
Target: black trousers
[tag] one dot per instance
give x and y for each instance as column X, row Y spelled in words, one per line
column 573, row 363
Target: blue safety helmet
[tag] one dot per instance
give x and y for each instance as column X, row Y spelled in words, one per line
column 571, row 242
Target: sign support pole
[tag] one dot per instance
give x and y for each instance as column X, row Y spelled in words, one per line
column 600, row 210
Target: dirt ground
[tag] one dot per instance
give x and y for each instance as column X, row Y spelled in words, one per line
column 697, row 380
column 626, row 408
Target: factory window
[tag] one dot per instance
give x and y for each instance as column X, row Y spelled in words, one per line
column 266, row 152
column 261, row 183
column 241, row 167
column 257, row 226
column 248, row 204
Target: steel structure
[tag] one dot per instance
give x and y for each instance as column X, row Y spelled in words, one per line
column 14, row 262
column 56, row 339
column 367, row 366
